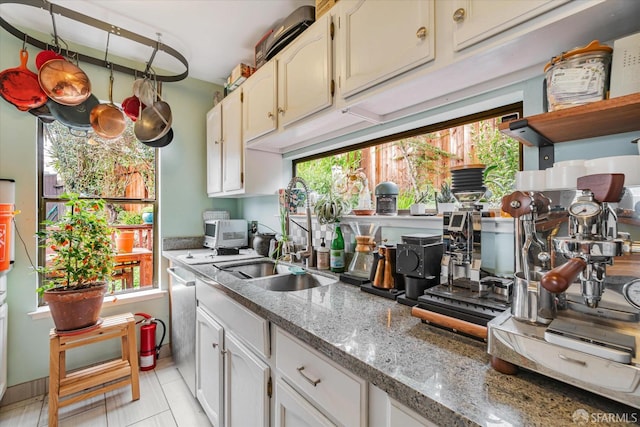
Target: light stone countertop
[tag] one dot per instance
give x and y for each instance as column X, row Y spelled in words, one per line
column 443, row 376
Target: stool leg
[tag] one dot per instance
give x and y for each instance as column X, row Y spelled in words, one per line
column 133, row 360
column 55, row 357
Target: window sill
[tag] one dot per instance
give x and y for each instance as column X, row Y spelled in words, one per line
column 109, row 301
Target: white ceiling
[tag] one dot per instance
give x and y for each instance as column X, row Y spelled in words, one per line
column 213, row 35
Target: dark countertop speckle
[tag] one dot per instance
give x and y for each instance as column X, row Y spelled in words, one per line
column 443, row 376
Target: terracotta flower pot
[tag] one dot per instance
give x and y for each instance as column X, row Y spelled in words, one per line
column 124, row 241
column 75, row 309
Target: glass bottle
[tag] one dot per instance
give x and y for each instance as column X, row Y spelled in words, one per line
column 336, row 260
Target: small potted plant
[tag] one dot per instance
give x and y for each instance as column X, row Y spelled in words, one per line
column 444, row 199
column 80, row 263
column 147, row 214
column 419, row 206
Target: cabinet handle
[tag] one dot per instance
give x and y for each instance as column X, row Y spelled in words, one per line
column 214, row 345
column 459, row 15
column 280, row 110
column 572, row 360
column 309, row 380
column 270, row 115
column 421, row 33
column 216, row 142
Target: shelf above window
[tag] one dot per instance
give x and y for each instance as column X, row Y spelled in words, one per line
column 607, row 117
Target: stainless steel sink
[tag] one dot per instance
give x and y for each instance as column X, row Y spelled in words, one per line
column 253, row 270
column 274, row 276
column 293, row 282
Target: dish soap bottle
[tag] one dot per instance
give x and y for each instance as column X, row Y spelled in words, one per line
column 336, row 259
column 323, row 256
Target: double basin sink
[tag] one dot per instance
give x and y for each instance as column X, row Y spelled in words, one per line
column 273, row 276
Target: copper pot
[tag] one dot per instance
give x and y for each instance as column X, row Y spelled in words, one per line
column 64, row 82
column 107, row 120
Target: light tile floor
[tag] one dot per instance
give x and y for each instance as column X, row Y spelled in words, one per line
column 165, row 401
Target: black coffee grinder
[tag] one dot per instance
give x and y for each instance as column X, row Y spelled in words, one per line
column 418, row 258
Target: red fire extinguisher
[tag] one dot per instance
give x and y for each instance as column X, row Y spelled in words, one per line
column 149, row 352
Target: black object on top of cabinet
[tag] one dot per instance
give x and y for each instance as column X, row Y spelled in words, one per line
column 287, row 29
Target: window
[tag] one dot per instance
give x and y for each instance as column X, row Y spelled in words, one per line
column 121, row 171
column 419, row 161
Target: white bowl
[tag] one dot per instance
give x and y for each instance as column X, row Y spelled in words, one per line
column 532, row 180
column 628, row 165
column 563, row 177
column 576, row 162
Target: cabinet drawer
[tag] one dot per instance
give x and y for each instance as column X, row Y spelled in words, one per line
column 252, row 329
column 339, row 394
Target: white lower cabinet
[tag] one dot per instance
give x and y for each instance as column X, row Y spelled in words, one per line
column 233, row 376
column 337, row 394
column 209, row 366
column 386, row 412
column 246, row 386
column 292, row 410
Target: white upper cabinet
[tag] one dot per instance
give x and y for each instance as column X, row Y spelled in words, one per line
column 214, row 150
column 305, row 73
column 224, row 146
column 259, row 106
column 233, row 171
column 232, row 146
column 477, row 20
column 383, row 38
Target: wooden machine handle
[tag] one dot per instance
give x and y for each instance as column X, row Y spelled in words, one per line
column 606, row 187
column 560, row 278
column 516, row 204
column 541, row 202
column 463, row 326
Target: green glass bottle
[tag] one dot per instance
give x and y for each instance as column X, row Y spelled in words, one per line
column 336, row 259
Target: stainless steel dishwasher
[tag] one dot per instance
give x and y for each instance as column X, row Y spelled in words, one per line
column 183, row 323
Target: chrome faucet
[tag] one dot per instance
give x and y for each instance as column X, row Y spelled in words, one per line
column 308, row 252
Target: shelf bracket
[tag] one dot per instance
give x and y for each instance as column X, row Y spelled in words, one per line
column 520, row 129
column 101, row 25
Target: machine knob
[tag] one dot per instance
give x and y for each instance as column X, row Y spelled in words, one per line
column 408, row 261
column 517, row 204
column 560, row 278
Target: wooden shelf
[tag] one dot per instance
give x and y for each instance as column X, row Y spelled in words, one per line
column 607, row 117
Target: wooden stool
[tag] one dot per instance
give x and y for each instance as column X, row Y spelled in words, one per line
column 78, row 384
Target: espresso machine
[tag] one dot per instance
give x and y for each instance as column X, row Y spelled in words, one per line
column 466, row 298
column 571, row 319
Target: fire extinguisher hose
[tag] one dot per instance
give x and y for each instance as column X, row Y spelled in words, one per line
column 164, row 331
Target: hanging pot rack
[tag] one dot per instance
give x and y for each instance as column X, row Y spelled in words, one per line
column 53, row 9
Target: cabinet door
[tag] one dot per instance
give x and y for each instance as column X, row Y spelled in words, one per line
column 477, row 20
column 259, row 105
column 232, row 146
column 246, row 381
column 383, row 38
column 305, row 74
column 209, row 366
column 214, row 150
column 292, row 410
